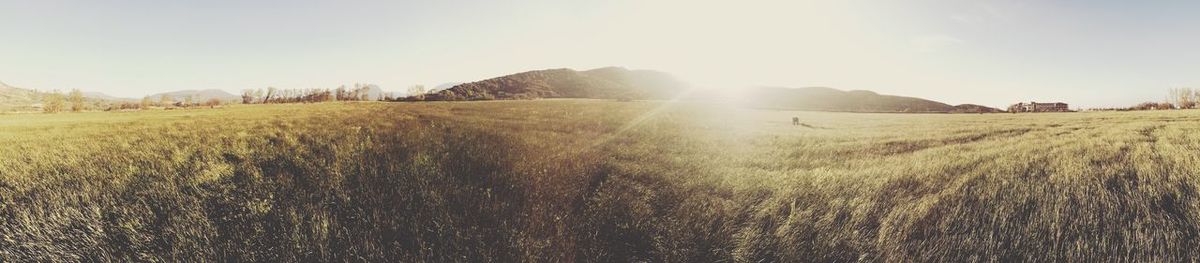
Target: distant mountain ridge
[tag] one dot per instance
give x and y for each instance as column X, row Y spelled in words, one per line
column 601, row 83
column 828, row 99
column 621, row 83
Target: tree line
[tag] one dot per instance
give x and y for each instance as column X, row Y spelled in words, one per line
column 74, row 101
column 55, row 101
column 360, row 92
column 1177, row 99
column 1183, row 98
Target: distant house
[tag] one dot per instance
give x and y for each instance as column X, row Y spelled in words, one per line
column 1039, row 107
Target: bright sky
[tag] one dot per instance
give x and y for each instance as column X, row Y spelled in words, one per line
column 1088, row 53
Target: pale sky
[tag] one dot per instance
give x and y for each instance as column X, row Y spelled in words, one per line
column 1087, row 53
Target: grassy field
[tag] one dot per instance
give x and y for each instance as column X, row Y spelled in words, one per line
column 602, row 181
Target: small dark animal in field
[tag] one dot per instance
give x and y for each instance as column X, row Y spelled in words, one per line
column 796, row 122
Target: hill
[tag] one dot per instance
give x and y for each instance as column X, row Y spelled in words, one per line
column 21, row 99
column 444, row 86
column 14, row 98
column 648, row 83
column 621, row 83
column 198, row 95
column 973, row 108
column 602, row 83
column 827, row 99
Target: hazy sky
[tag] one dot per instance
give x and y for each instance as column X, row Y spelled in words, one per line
column 1088, row 53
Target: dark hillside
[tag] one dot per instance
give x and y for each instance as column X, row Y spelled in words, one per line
column 827, row 99
column 603, row 83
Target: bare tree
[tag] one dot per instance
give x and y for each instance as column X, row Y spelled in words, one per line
column 1194, row 97
column 1184, row 98
column 340, row 93
column 417, row 92
column 258, row 95
column 213, row 103
column 52, row 102
column 248, row 96
column 76, row 98
column 271, row 92
column 146, row 102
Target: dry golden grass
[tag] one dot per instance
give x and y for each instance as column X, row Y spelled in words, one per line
column 579, row 180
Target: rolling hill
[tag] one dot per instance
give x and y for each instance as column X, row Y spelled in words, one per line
column 16, row 99
column 621, row 83
column 602, row 83
column 444, row 86
column 828, row 99
column 21, row 99
column 973, row 108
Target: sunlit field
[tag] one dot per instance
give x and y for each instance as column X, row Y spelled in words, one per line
column 596, row 181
